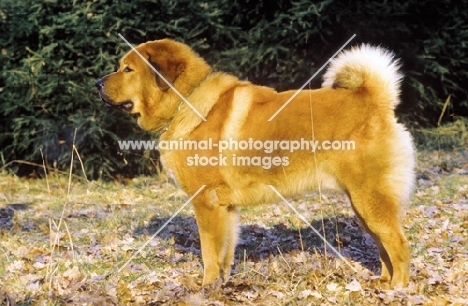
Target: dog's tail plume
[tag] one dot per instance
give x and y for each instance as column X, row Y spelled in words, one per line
column 372, row 70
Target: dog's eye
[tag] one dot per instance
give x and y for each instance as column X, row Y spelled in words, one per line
column 127, row 69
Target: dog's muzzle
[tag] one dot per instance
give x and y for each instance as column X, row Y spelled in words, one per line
column 125, row 106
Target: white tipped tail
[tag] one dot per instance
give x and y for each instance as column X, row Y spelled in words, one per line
column 368, row 68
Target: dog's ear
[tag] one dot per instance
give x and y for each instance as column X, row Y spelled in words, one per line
column 170, row 71
column 161, row 58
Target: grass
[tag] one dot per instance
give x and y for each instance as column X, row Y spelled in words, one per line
column 62, row 242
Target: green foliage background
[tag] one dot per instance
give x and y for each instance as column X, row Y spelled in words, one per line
column 52, row 52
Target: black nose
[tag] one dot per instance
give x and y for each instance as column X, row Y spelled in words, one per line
column 99, row 84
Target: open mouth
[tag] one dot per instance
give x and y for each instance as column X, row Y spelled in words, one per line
column 126, row 106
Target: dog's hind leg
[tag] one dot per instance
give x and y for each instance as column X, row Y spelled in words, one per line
column 379, row 214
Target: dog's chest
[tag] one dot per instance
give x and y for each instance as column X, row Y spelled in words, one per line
column 169, row 167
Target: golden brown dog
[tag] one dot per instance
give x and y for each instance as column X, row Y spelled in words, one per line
column 343, row 135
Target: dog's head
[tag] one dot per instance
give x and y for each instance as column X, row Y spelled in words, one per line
column 137, row 89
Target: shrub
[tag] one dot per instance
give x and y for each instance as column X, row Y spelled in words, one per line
column 53, row 51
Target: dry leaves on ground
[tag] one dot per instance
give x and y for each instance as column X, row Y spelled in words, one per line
column 58, row 248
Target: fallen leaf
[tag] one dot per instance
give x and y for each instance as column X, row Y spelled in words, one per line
column 333, row 287
column 353, row 286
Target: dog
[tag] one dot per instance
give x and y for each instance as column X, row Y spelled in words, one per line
column 237, row 140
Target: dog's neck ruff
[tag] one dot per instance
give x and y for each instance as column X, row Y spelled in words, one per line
column 181, row 104
column 186, row 120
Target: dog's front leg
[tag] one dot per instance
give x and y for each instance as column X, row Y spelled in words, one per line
column 218, row 228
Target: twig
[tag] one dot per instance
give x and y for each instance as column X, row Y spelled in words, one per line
column 81, row 162
column 284, row 259
column 70, row 239
column 443, row 110
column 45, row 171
column 71, row 166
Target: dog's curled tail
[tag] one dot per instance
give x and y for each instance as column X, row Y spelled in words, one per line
column 368, row 68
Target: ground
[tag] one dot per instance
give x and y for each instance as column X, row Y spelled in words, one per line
column 64, row 241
